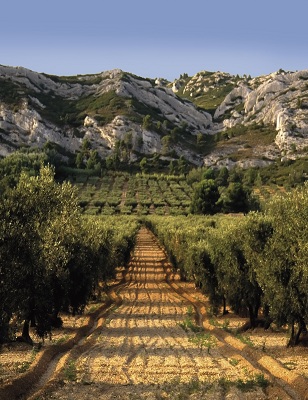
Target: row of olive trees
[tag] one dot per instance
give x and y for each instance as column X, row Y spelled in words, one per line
column 256, row 264
column 50, row 258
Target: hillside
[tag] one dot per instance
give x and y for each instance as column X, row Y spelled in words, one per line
column 212, row 118
column 264, row 117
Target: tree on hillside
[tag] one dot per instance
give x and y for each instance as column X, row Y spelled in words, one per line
column 128, row 141
column 171, row 168
column 199, row 138
column 235, row 175
column 147, row 122
column 79, row 160
column 209, row 173
column 166, row 143
column 235, row 198
column 144, row 165
column 222, row 177
column 182, row 165
column 93, row 161
column 250, row 176
column 205, row 198
column 113, row 160
column 87, row 157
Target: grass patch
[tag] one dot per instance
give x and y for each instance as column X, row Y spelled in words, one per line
column 61, row 340
column 247, row 136
column 245, row 339
column 25, row 365
column 225, row 325
column 200, row 338
column 258, row 380
column 234, row 362
column 290, row 365
column 70, row 371
column 175, row 389
column 204, row 340
column 188, row 323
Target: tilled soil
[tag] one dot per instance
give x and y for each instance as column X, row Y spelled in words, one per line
column 138, row 347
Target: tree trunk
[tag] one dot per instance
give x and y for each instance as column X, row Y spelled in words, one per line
column 294, row 339
column 257, row 308
column 291, row 340
column 267, row 318
column 252, row 316
column 224, row 303
column 25, row 336
column 266, row 310
column 4, row 328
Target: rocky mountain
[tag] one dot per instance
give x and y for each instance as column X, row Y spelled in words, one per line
column 212, row 118
column 272, row 108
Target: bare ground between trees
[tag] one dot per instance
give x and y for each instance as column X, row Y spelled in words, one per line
column 134, row 346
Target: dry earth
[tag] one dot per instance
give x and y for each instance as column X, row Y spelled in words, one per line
column 135, row 347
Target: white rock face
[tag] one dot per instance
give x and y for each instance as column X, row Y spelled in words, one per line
column 275, row 100
column 234, row 98
column 42, row 83
column 279, row 100
column 105, row 137
column 167, row 104
column 25, row 127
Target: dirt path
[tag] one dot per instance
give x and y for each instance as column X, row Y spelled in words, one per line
column 138, row 348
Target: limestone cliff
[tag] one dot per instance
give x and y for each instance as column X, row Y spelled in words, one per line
column 160, row 116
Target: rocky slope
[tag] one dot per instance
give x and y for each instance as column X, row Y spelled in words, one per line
column 211, row 118
column 278, row 101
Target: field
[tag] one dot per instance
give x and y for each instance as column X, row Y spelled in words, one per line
column 126, row 194
column 134, row 194
column 153, row 338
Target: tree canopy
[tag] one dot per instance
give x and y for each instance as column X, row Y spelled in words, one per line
column 51, row 258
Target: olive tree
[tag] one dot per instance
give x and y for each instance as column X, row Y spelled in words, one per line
column 27, row 213
column 203, row 271
column 283, row 271
column 256, row 233
column 235, row 275
column 235, row 199
column 205, row 198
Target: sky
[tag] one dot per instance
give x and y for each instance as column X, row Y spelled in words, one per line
column 161, row 38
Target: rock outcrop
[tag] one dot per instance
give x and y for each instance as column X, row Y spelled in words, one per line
column 36, row 108
column 280, row 100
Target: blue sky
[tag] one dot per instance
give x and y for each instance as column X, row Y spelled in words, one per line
column 155, row 38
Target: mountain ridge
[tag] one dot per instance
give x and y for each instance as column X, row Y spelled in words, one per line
column 210, row 118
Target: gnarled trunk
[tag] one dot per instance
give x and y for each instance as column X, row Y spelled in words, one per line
column 252, row 316
column 4, row 328
column 25, row 336
column 294, row 337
